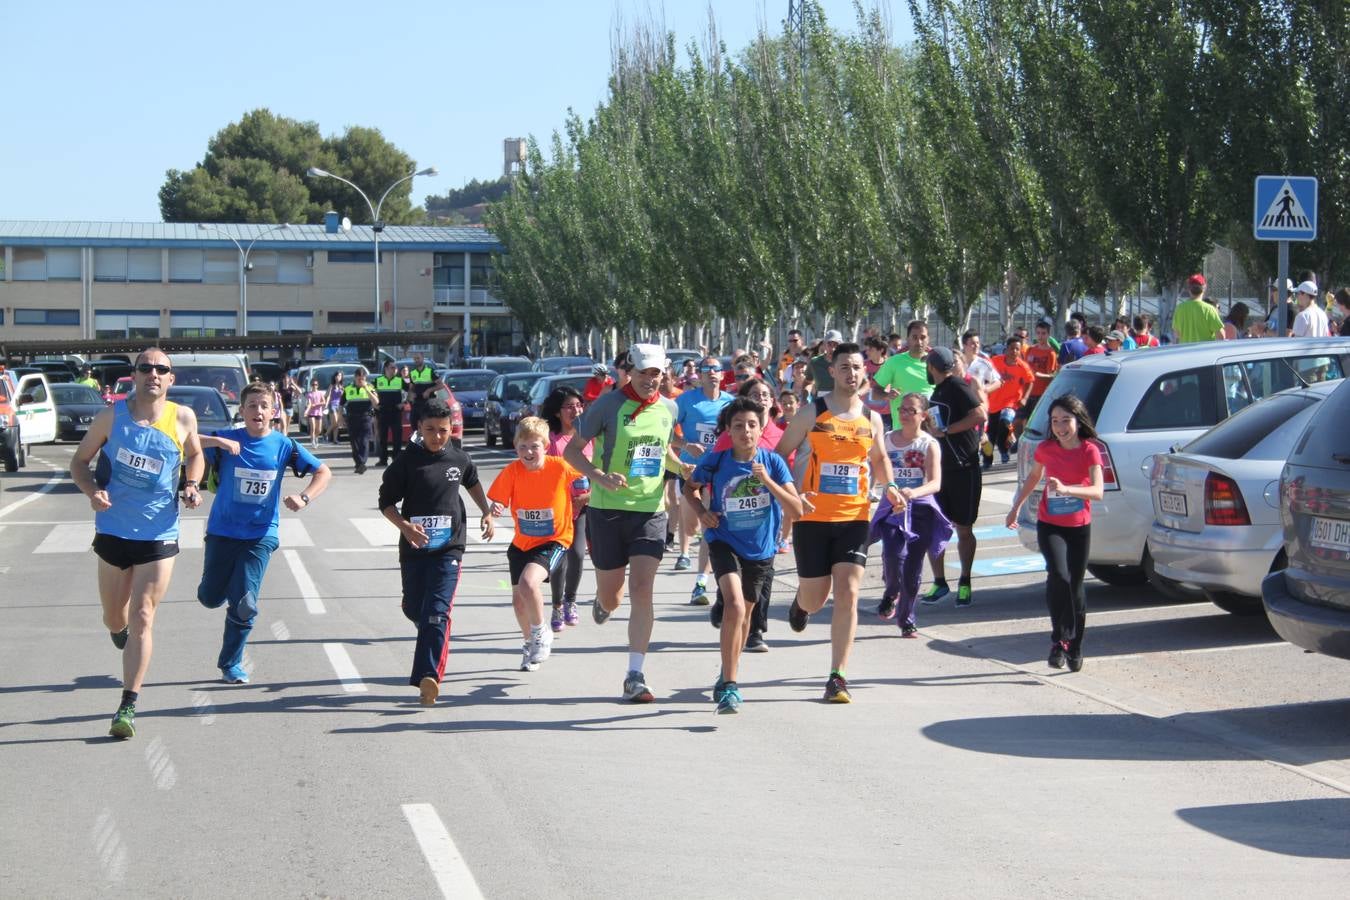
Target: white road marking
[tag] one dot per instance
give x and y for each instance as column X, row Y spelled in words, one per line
column 280, row 631
column 108, row 844
column 52, row 482
column 998, row 496
column 1266, row 646
column 360, row 549
column 162, row 769
column 447, row 865
column 191, row 534
column 293, row 533
column 345, row 669
column 310, row 593
column 203, row 707
column 377, row 532
column 67, row 539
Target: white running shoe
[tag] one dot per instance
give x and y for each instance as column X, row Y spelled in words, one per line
column 539, row 645
column 527, row 661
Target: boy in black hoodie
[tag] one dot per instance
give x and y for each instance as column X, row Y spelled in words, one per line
column 426, row 479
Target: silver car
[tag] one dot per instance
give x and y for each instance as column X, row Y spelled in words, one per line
column 1146, row 401
column 1216, row 501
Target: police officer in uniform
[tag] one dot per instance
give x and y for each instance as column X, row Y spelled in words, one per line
column 422, row 376
column 390, row 387
column 358, row 401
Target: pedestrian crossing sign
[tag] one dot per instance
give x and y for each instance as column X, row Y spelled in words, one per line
column 1285, row 208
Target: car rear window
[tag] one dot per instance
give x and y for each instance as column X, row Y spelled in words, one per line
column 1178, row 400
column 1323, row 444
column 1273, row 424
column 1088, row 385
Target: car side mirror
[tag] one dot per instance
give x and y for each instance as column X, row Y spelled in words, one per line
column 25, row 399
column 494, row 397
column 238, row 417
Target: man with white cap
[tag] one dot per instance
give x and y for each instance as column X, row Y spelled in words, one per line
column 1281, row 318
column 632, row 427
column 1311, row 320
column 820, row 365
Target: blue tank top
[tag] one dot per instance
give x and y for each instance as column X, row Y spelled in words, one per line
column 139, row 470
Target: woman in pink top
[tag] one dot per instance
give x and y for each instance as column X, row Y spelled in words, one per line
column 1072, row 467
column 560, row 410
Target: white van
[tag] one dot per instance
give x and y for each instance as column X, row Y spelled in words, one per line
column 226, row 372
column 27, row 416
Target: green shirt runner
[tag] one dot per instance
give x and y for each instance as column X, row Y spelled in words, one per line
column 1196, row 320
column 907, row 375
column 632, row 447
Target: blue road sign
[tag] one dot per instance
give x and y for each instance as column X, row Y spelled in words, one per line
column 1285, row 208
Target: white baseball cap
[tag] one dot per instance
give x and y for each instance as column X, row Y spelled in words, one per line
column 833, row 335
column 647, row 356
column 1308, row 287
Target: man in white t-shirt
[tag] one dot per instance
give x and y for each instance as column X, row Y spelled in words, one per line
column 1311, row 320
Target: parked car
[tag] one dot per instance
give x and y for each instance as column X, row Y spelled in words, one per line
column 268, row 371
column 108, row 371
column 504, row 365
column 27, row 416
column 57, row 371
column 1145, row 402
column 1308, row 602
column 470, row 387
column 1216, row 504
column 121, row 389
column 76, row 406
column 506, row 394
column 226, row 372
column 534, row 401
column 678, row 355
column 553, row 364
column 207, row 404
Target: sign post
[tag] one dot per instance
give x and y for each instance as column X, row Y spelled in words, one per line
column 1285, row 210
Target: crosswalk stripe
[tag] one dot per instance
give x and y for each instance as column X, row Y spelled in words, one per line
column 67, row 539
column 191, row 534
column 376, row 532
column 293, row 533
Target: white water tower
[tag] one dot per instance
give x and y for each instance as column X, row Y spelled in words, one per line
column 513, row 154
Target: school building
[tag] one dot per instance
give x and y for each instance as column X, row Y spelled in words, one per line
column 94, row 280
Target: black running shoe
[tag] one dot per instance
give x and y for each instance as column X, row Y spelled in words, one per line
column 1075, row 662
column 886, row 608
column 715, row 613
column 1057, row 655
column 796, row 616
column 836, row 690
column 119, row 638
column 754, row 643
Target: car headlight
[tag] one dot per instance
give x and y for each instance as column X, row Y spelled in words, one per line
column 64, row 420
column 4, row 420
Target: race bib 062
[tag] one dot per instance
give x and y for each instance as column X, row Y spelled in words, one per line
column 535, row 522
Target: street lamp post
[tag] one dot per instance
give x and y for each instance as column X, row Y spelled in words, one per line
column 243, row 265
column 376, row 225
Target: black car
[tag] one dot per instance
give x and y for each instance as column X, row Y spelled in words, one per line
column 506, row 395
column 1309, row 601
column 471, row 390
column 208, row 405
column 76, row 406
column 505, row 365
column 108, row 371
column 539, row 392
column 555, row 364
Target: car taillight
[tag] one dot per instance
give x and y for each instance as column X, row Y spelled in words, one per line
column 1223, row 502
column 1109, row 481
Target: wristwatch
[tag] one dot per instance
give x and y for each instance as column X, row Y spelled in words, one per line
column 189, row 484
column 304, row 497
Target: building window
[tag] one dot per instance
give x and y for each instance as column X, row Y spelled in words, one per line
column 183, row 323
column 110, row 264
column 484, row 276
column 30, row 264
column 127, row 264
column 46, row 317
column 280, row 267
column 144, row 264
column 120, row 324
column 349, row 317
column 449, row 271
column 353, row 256
column 63, row 264
column 280, row 322
column 185, row 265
column 220, row 267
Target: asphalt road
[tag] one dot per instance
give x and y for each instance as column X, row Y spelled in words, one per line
column 1194, row 755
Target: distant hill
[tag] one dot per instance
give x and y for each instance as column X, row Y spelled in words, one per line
column 465, row 205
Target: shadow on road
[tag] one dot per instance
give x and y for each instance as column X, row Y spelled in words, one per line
column 1318, row 828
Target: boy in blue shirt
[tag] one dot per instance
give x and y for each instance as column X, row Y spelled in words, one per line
column 241, row 533
column 750, row 487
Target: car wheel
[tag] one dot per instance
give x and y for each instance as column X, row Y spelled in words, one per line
column 10, row 456
column 1119, row 576
column 1237, row 604
column 1172, row 590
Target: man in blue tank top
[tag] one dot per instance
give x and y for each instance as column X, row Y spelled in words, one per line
column 139, row 443
column 241, row 533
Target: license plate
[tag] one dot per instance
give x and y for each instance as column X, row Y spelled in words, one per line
column 81, row 427
column 1330, row 534
column 1172, row 503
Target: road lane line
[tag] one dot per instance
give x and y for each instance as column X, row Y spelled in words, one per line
column 376, row 532
column 997, row 496
column 293, row 533
column 310, row 593
column 191, row 534
column 447, row 864
column 345, row 669
column 52, row 482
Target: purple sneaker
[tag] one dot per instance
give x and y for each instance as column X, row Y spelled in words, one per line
column 556, row 622
column 570, row 612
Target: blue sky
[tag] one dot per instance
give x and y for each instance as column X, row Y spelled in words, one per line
column 103, row 98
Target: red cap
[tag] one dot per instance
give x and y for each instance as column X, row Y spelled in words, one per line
column 1196, row 280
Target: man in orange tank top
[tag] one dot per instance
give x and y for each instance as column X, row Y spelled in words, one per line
column 841, row 441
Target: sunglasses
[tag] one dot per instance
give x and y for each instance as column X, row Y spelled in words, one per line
column 742, row 377
column 147, row 368
column 710, row 368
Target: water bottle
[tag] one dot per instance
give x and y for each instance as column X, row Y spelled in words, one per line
column 581, row 486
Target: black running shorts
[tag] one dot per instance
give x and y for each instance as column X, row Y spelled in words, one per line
column 617, row 535
column 546, row 555
column 124, row 553
column 820, row 546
